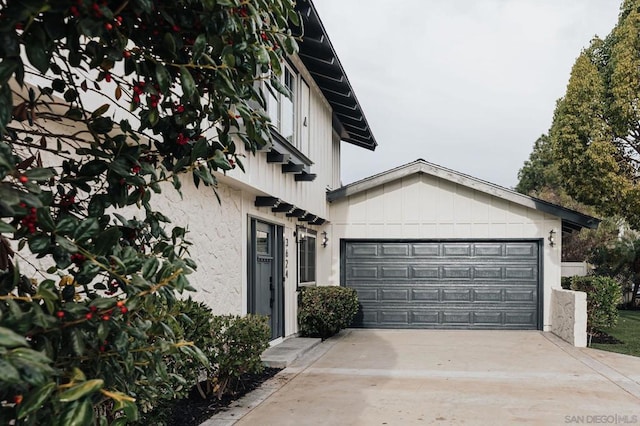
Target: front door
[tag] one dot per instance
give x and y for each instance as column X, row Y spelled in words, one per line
column 266, row 295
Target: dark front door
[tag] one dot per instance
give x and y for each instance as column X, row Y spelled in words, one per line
column 445, row 284
column 266, row 295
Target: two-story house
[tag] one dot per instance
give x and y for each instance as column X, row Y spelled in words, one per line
column 424, row 246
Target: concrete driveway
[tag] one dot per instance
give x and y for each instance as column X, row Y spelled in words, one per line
column 399, row 377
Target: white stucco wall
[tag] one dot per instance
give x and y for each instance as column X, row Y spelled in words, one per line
column 420, row 206
column 215, row 229
column 569, row 316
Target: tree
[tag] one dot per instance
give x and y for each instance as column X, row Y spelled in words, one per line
column 101, row 103
column 596, row 127
column 540, row 170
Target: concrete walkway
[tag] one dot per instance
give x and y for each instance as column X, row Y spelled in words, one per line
column 399, row 377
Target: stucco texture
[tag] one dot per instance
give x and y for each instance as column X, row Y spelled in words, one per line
column 215, row 229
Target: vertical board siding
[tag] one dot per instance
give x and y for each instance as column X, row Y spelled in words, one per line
column 426, row 207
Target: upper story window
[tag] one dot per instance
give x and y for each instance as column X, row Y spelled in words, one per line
column 281, row 108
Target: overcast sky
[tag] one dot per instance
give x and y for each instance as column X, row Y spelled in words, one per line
column 466, row 84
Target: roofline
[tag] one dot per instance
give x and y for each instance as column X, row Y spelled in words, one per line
column 320, row 58
column 571, row 219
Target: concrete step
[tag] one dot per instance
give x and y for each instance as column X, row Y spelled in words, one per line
column 283, row 354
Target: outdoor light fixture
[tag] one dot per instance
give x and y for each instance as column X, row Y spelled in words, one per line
column 552, row 239
column 325, row 239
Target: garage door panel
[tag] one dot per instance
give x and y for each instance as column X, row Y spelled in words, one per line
column 394, row 317
column 423, row 318
column 394, row 271
column 394, row 295
column 425, row 249
column 520, row 250
column 456, row 249
column 425, row 272
column 425, row 294
column 456, row 272
column 363, row 250
column 391, row 250
column 484, row 250
column 444, row 284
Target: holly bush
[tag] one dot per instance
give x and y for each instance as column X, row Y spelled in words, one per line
column 101, row 104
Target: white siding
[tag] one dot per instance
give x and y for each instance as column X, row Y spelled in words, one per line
column 425, row 207
column 268, row 179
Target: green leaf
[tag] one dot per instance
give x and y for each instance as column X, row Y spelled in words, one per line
column 88, row 228
column 199, row 150
column 66, row 244
column 39, row 243
column 78, row 414
column 99, row 111
column 40, row 174
column 163, row 77
column 6, row 228
column 45, row 220
column 10, row 374
column 35, row 400
column 80, row 390
column 198, row 47
column 38, row 56
column 11, row 339
column 188, row 84
column 67, row 225
column 106, row 241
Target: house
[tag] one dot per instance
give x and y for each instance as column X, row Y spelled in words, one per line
column 423, row 246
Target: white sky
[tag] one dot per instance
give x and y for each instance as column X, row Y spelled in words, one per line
column 466, row 84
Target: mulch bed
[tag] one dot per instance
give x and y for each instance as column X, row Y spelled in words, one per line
column 194, row 410
column 604, row 338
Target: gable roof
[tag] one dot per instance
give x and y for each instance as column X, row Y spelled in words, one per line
column 318, row 55
column 571, row 220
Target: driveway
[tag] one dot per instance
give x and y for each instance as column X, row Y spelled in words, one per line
column 399, row 377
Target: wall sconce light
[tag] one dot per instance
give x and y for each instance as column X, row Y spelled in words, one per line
column 552, row 238
column 325, row 239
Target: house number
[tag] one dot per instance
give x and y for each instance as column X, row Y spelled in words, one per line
column 286, row 258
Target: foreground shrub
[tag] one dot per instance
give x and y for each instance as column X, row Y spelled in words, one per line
column 323, row 311
column 603, row 296
column 191, row 322
column 236, row 346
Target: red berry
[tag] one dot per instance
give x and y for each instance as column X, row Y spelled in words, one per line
column 120, row 303
column 107, row 77
column 126, row 54
column 93, row 308
column 89, row 315
column 23, row 179
column 60, row 314
column 108, row 26
column 17, row 399
column 124, row 309
column 106, row 317
column 102, row 348
column 175, row 28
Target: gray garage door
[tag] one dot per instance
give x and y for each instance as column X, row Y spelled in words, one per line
column 444, row 284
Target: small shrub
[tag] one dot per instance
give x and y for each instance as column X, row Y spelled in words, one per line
column 323, row 311
column 236, row 346
column 565, row 283
column 603, row 296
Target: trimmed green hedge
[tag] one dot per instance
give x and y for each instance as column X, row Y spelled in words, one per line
column 603, row 296
column 324, row 311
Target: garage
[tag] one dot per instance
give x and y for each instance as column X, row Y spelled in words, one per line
column 444, row 284
column 428, row 247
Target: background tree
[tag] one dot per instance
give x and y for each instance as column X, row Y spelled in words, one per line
column 595, row 131
column 100, row 103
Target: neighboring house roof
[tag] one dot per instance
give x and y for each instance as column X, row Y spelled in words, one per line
column 318, row 55
column 571, row 220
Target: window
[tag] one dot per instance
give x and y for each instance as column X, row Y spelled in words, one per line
column 280, row 107
column 306, row 256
